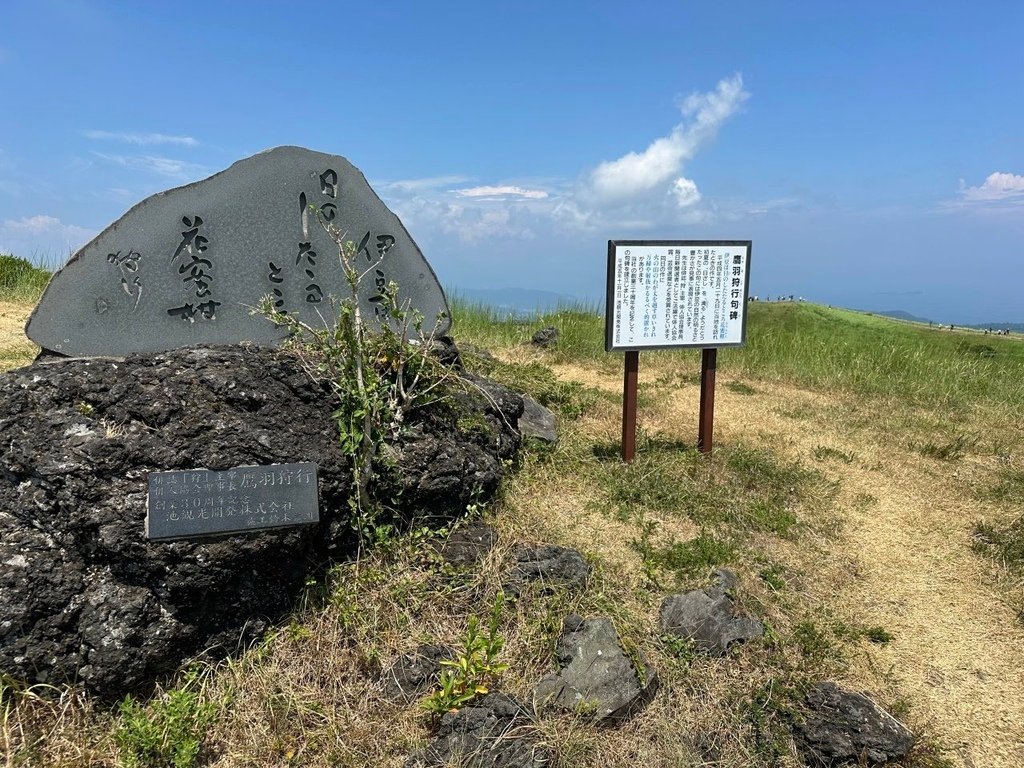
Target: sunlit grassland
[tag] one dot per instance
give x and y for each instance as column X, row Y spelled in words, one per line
column 808, row 345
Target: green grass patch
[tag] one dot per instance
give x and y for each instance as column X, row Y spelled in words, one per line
column 740, row 388
column 947, row 450
column 21, row 280
column 827, row 453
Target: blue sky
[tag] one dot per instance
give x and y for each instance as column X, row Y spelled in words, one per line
column 873, row 151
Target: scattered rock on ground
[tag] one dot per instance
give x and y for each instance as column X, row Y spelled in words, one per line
column 413, row 673
column 545, row 337
column 467, row 545
column 86, row 598
column 708, row 617
column 841, row 726
column 493, row 732
column 537, row 421
column 596, row 678
column 549, row 564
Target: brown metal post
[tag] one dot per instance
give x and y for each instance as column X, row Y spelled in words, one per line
column 632, row 365
column 708, row 360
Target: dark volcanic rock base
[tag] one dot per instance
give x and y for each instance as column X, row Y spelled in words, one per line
column 85, row 598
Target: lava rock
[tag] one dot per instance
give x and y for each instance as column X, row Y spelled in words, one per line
column 545, row 337
column 842, row 726
column 549, row 564
column 596, row 677
column 538, row 422
column 411, row 674
column 86, row 598
column 708, row 617
column 493, row 732
column 468, row 545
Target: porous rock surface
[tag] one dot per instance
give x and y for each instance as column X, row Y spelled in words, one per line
column 492, row 732
column 411, row 674
column 467, row 545
column 841, row 727
column 86, row 598
column 708, row 617
column 597, row 679
column 548, row 564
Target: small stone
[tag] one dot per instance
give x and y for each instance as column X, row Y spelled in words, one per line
column 597, row 678
column 493, row 732
column 545, row 337
column 411, row 674
column 708, row 617
column 841, row 726
column 537, row 422
column 549, row 564
column 468, row 545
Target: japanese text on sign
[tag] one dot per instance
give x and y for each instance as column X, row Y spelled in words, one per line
column 676, row 294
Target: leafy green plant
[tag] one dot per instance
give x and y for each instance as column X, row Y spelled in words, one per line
column 379, row 370
column 475, row 669
column 168, row 731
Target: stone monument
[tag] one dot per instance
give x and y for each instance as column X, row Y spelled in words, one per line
column 189, row 265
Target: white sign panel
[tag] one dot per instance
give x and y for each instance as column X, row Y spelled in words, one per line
column 684, row 293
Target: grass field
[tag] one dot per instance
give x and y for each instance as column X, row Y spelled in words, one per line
column 866, row 487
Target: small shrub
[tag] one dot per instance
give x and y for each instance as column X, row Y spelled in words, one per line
column 476, row 667
column 168, row 731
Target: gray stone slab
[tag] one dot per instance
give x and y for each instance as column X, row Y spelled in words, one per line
column 187, row 266
column 202, row 502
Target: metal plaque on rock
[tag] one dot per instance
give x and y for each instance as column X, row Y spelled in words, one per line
column 189, row 265
column 204, row 502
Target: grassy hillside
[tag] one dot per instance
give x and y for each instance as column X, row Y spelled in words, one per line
column 20, row 280
column 865, row 487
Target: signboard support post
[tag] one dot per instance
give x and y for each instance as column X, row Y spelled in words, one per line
column 632, row 365
column 705, row 429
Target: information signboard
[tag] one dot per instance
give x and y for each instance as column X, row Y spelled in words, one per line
column 676, row 293
column 203, row 502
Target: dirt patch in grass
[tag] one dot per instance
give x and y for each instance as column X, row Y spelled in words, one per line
column 15, row 348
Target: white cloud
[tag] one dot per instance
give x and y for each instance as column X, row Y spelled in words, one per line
column 417, row 185
column 42, row 237
column 503, row 191
column 636, row 173
column 997, row 187
column 142, row 139
column 685, row 192
column 162, row 166
column 639, row 191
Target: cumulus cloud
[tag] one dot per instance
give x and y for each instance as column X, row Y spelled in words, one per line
column 142, row 139
column 43, row 237
column 997, row 187
column 639, row 190
column 503, row 191
column 636, row 173
column 178, row 170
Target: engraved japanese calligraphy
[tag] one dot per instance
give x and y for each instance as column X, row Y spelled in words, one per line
column 187, row 266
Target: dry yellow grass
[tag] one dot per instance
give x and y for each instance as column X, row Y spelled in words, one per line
column 903, row 561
